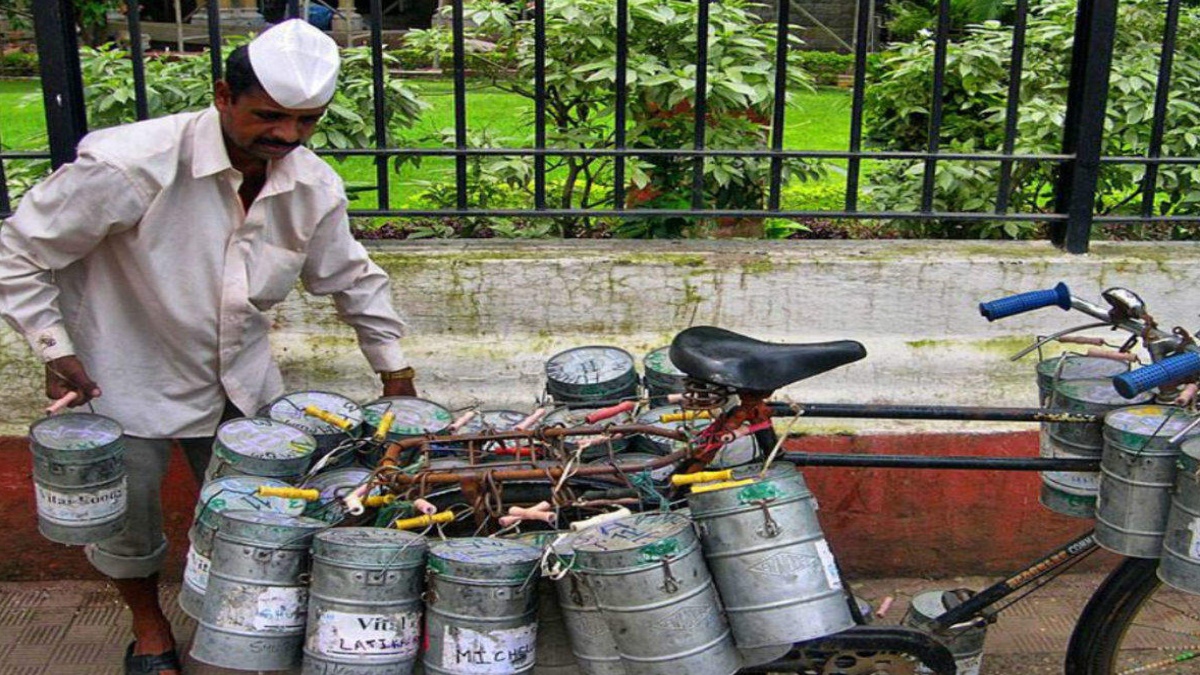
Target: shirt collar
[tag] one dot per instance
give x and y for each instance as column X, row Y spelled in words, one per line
column 209, row 156
column 208, row 146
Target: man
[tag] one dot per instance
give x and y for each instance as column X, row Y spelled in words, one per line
column 144, row 268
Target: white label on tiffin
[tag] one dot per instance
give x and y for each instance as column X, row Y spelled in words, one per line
column 196, row 572
column 347, row 634
column 828, row 564
column 970, row 665
column 1194, row 549
column 496, row 652
column 80, row 508
column 281, row 608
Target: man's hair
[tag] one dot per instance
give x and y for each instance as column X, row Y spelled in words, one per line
column 238, row 73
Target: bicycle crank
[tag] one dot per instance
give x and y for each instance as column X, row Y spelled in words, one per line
column 869, row 663
column 864, row 650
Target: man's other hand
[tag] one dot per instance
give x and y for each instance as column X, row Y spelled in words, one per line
column 66, row 374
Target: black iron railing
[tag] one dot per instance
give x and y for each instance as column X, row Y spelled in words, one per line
column 1078, row 164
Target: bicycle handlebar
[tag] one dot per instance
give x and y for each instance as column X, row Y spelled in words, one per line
column 1060, row 296
column 1169, row 370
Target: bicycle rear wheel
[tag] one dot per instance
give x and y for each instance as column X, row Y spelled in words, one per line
column 1136, row 624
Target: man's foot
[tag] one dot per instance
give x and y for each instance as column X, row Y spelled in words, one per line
column 151, row 664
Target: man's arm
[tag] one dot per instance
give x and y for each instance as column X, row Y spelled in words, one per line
column 58, row 222
column 338, row 265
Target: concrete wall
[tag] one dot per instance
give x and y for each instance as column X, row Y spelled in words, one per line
column 486, row 315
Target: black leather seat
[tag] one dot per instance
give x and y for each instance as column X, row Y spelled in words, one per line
column 717, row 355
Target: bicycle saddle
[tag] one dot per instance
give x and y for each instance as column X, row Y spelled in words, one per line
column 724, row 357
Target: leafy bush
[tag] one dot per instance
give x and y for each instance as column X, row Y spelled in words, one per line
column 899, row 100
column 907, row 18
column 177, row 83
column 22, row 174
column 824, row 67
column 18, row 64
column 581, row 73
column 813, row 196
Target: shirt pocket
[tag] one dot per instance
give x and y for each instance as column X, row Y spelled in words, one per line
column 271, row 274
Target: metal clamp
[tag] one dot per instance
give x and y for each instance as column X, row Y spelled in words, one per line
column 429, row 595
column 670, row 583
column 770, row 528
column 576, row 594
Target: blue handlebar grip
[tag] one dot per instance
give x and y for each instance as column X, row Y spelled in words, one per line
column 1169, row 370
column 1023, row 302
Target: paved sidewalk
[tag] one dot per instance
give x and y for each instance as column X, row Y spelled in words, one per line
column 81, row 627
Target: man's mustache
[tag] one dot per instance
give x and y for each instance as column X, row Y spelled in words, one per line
column 282, row 144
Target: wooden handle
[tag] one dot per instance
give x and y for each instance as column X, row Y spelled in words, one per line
column 423, row 521
column 700, row 477
column 385, row 427
column 326, row 416
column 61, row 403
column 307, row 494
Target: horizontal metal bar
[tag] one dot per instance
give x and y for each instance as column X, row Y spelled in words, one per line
column 1147, row 219
column 930, row 412
column 32, row 154
column 710, row 213
column 1183, row 161
column 663, row 152
column 922, row 462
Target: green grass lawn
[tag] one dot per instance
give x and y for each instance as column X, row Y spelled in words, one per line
column 22, row 122
column 815, row 121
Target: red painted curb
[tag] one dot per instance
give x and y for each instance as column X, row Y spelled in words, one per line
column 880, row 522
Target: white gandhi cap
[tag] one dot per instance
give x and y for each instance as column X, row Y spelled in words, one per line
column 296, row 64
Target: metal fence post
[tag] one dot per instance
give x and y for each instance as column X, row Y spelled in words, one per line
column 1087, row 102
column 62, row 81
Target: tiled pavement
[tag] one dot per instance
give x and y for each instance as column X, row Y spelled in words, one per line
column 78, row 627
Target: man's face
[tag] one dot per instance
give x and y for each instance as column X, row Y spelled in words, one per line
column 260, row 127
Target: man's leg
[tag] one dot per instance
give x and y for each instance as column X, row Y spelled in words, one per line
column 198, row 451
column 133, row 558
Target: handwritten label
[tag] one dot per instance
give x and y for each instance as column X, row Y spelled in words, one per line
column 281, row 608
column 828, row 564
column 497, row 652
column 1194, row 548
column 272, row 609
column 348, row 634
column 81, row 508
column 1083, row 481
column 196, row 572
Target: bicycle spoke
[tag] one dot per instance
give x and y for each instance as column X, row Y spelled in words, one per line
column 1164, row 636
column 1165, row 663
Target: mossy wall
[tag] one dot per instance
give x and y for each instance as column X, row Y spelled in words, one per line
column 484, row 315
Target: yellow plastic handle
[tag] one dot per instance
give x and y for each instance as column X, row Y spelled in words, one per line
column 307, row 494
column 709, row 487
column 686, row 415
column 700, row 477
column 326, row 416
column 385, row 427
column 423, row 521
column 379, row 500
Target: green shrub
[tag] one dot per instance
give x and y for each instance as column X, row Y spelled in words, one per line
column 898, row 102
column 813, row 196
column 177, row 83
column 18, row 64
column 580, row 77
column 824, row 67
column 22, row 174
column 907, row 18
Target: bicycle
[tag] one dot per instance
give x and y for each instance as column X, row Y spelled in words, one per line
column 731, row 378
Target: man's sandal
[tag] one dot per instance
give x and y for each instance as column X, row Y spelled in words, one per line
column 150, row 664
